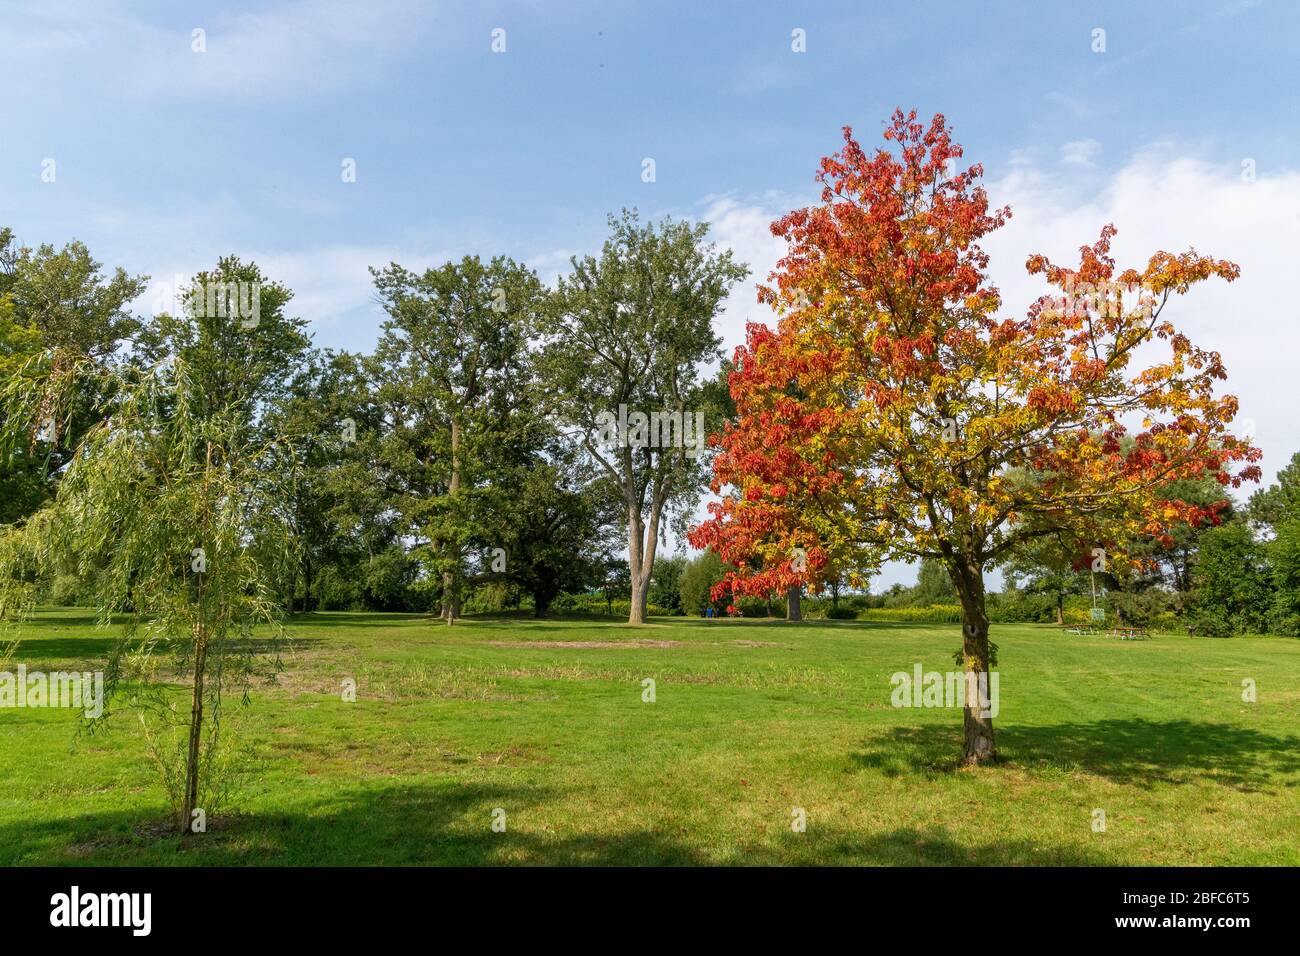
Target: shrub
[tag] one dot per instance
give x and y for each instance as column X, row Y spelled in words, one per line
column 335, row 591
column 752, row 607
column 935, row 614
column 67, row 590
column 594, row 604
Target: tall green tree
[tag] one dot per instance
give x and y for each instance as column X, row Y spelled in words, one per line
column 1232, row 589
column 66, row 296
column 1284, row 564
column 1280, row 501
column 626, row 348
column 1275, row 511
column 25, row 479
column 453, row 381
column 234, row 332
column 62, row 300
column 335, row 512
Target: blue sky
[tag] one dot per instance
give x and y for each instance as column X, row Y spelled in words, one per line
column 166, row 158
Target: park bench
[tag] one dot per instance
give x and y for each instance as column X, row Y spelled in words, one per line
column 1130, row 633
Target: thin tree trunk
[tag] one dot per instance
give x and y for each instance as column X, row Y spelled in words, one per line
column 191, row 796
column 196, row 729
column 1060, row 608
column 793, row 609
column 968, row 577
column 450, row 599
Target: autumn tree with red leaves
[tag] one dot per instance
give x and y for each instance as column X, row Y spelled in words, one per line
column 892, row 415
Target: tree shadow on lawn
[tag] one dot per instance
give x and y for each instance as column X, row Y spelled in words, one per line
column 820, row 624
column 98, row 649
column 1124, row 750
column 450, row 825
column 314, row 619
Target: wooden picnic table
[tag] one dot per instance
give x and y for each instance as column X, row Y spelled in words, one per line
column 1123, row 633
column 1130, row 633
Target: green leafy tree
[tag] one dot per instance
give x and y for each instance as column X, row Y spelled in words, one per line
column 701, row 574
column 162, row 498
column 25, row 479
column 552, row 540
column 1276, row 512
column 1232, row 591
column 65, row 295
column 1050, row 566
column 1284, row 562
column 242, row 347
column 1280, row 501
column 933, row 585
column 59, row 300
column 666, row 587
column 452, row 377
column 333, row 511
column 630, row 335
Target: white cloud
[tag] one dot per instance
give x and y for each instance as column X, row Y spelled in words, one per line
column 1162, row 201
column 744, row 228
column 1081, row 152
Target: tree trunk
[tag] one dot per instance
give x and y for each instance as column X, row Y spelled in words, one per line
column 793, row 610
column 968, row 577
column 196, row 730
column 1060, row 608
column 450, row 598
column 641, row 543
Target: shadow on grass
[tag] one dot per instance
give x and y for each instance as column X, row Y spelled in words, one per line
column 98, row 649
column 315, row 619
column 450, row 825
column 816, row 624
column 36, row 647
column 1124, row 750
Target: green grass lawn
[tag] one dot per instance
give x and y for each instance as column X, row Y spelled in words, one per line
column 752, row 719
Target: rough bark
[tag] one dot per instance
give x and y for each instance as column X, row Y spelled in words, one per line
column 968, row 577
column 642, row 542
